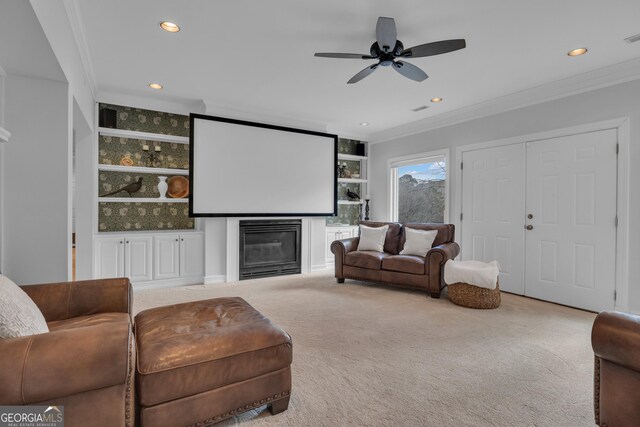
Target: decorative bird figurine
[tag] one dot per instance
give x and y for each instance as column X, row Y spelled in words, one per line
column 134, row 187
column 351, row 195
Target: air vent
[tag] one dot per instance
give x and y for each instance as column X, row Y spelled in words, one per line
column 633, row 39
column 420, row 108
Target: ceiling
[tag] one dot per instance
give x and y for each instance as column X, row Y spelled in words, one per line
column 257, row 56
column 18, row 21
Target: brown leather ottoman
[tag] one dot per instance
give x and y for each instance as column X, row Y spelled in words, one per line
column 201, row 362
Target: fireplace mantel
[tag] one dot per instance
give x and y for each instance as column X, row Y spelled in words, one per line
column 222, row 258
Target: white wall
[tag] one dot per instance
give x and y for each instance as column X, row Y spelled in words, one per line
column 36, row 178
column 608, row 103
column 53, row 16
column 84, row 194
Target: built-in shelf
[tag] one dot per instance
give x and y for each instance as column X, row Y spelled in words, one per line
column 143, row 169
column 342, row 156
column 121, row 133
column 139, row 200
column 347, row 180
column 350, row 202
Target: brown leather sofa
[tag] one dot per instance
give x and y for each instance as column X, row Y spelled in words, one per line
column 85, row 362
column 389, row 267
column 616, row 344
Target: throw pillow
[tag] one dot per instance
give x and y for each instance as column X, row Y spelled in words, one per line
column 418, row 242
column 19, row 315
column 372, row 238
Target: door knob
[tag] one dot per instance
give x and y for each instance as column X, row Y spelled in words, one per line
column 530, row 216
column 529, row 227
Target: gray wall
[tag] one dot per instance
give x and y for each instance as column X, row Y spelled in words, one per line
column 622, row 100
column 36, row 177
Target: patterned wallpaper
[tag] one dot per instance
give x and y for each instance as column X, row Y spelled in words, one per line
column 148, row 216
column 109, row 181
column 140, row 120
column 144, row 216
column 112, row 149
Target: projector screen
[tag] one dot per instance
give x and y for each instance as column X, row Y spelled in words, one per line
column 240, row 168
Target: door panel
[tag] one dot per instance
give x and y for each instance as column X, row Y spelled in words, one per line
column 571, row 194
column 138, row 258
column 167, row 257
column 191, row 255
column 493, row 211
column 109, row 257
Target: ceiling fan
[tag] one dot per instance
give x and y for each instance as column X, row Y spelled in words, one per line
column 387, row 49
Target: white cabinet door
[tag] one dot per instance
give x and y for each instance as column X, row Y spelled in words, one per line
column 331, row 236
column 571, row 210
column 138, row 258
column 109, row 257
column 191, row 255
column 493, row 185
column 166, row 257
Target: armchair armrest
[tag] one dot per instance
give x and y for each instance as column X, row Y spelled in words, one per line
column 42, row 367
column 340, row 249
column 59, row 301
column 616, row 337
column 345, row 246
column 435, row 260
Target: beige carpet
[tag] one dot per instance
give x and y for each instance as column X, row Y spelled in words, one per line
column 368, row 355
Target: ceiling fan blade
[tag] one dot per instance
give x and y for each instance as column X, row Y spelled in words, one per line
column 410, row 71
column 386, row 34
column 344, row 55
column 362, row 74
column 435, row 48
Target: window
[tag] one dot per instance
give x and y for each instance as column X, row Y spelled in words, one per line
column 419, row 188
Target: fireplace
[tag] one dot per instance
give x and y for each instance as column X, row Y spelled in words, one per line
column 269, row 248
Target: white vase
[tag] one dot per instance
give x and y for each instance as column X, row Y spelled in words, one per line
column 162, row 186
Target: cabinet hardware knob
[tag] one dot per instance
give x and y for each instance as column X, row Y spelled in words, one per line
column 121, row 242
column 176, row 240
column 529, row 227
column 530, row 216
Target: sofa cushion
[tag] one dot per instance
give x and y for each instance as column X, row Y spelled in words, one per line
column 372, row 238
column 445, row 232
column 19, row 315
column 404, row 263
column 392, row 241
column 190, row 348
column 418, row 242
column 365, row 259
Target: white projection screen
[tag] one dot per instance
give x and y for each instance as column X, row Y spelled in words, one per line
column 240, row 168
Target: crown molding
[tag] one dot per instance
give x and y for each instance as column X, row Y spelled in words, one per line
column 177, row 106
column 602, row 77
column 77, row 28
column 213, row 108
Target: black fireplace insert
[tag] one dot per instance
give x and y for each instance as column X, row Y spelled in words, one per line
column 270, row 248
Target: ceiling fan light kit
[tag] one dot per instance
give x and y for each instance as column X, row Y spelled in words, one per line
column 388, row 50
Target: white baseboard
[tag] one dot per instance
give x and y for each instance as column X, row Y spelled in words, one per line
column 320, row 267
column 168, row 283
column 220, row 278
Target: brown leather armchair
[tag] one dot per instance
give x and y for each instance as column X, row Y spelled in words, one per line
column 616, row 343
column 85, row 362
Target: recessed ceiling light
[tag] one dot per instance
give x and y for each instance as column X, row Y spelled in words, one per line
column 364, row 124
column 436, row 99
column 169, row 26
column 577, row 52
column 156, row 86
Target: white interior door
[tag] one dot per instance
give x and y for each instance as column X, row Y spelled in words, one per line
column 571, row 209
column 493, row 211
